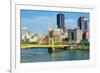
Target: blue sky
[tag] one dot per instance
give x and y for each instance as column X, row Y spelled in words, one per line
column 37, row 21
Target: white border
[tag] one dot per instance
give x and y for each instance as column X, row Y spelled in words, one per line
column 16, row 66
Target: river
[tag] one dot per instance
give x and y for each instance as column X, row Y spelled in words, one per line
column 29, row 55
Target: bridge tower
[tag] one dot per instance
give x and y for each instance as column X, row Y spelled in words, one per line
column 50, row 27
column 50, row 41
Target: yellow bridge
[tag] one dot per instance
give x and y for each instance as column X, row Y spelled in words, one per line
column 43, row 46
column 51, row 46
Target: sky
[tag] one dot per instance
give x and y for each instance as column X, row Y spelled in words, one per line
column 37, row 20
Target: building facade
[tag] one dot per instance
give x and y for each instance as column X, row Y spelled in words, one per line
column 56, row 35
column 74, row 35
column 83, row 23
column 61, row 21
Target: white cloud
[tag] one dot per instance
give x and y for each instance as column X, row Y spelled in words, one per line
column 71, row 23
column 70, row 20
column 24, row 28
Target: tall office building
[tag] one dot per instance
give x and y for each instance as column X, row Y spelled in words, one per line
column 83, row 23
column 74, row 35
column 60, row 21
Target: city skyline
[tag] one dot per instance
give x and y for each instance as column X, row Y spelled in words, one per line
column 54, row 36
column 37, row 21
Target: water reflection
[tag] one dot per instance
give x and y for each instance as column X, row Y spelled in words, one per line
column 42, row 55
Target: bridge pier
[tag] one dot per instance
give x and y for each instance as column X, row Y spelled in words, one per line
column 50, row 50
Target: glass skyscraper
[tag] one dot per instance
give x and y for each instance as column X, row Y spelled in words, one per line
column 61, row 21
column 83, row 23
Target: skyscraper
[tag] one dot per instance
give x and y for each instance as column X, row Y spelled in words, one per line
column 83, row 23
column 60, row 21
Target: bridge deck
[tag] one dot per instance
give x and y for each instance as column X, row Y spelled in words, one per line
column 43, row 46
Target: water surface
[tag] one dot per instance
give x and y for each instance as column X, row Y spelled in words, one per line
column 41, row 55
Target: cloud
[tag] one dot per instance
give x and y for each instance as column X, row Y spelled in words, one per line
column 24, row 28
column 71, row 23
column 69, row 20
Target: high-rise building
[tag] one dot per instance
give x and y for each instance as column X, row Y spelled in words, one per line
column 60, row 21
column 74, row 35
column 83, row 23
column 56, row 35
